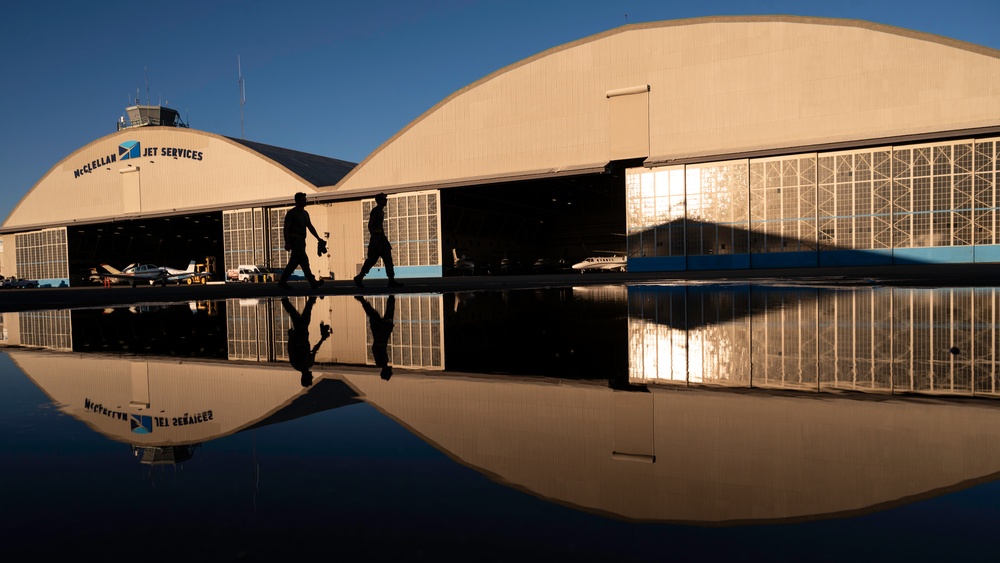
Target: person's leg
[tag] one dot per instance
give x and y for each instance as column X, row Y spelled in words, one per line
column 390, row 272
column 387, row 262
column 287, row 272
column 290, row 310
column 370, row 260
column 306, row 315
column 367, row 266
column 306, row 271
column 295, row 256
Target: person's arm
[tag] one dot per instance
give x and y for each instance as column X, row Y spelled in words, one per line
column 309, row 225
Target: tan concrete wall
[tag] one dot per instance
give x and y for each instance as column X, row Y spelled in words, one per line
column 716, row 86
column 346, row 241
column 8, row 258
column 212, row 172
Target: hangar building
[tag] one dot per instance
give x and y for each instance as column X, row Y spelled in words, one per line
column 707, row 143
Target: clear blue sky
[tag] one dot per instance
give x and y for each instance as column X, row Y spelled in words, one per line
column 328, row 77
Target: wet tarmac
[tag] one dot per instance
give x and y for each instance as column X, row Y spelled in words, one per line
column 597, row 417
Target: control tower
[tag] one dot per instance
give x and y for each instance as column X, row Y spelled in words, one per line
column 143, row 116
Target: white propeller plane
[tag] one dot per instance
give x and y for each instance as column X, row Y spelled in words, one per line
column 134, row 273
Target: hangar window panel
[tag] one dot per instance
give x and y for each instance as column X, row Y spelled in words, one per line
column 962, row 196
column 941, row 190
column 963, row 159
column 717, row 207
column 656, row 216
column 411, row 224
column 247, row 329
column 416, row 335
column 244, row 236
column 942, row 160
column 940, row 194
column 275, row 311
column 273, row 254
column 962, row 228
column 46, row 329
column 783, row 204
column 42, row 255
column 984, row 190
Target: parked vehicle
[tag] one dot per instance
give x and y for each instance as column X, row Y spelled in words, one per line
column 16, row 283
column 248, row 273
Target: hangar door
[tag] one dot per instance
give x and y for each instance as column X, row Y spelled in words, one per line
column 42, row 255
column 243, row 238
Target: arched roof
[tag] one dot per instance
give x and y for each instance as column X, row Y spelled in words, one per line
column 153, row 171
column 315, row 169
column 714, row 86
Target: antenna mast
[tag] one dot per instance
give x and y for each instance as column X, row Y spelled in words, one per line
column 145, row 73
column 243, row 95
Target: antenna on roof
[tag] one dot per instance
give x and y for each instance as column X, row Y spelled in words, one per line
column 243, row 95
column 626, row 19
column 145, row 74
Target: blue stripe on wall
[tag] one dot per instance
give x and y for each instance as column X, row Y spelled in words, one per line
column 878, row 257
column 934, row 255
column 408, row 272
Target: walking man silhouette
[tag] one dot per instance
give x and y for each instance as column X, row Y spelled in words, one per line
column 297, row 222
column 378, row 244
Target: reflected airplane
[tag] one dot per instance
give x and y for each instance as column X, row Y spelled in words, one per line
column 615, row 263
column 133, row 273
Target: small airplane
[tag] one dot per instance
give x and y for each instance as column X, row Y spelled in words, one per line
column 605, row 263
column 464, row 264
column 134, row 273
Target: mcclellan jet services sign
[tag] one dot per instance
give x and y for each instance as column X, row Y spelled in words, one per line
column 132, row 149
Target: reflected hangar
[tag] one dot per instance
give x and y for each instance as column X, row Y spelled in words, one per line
column 800, row 154
column 670, row 447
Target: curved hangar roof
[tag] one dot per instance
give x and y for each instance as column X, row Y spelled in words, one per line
column 702, row 88
column 696, row 88
column 150, row 171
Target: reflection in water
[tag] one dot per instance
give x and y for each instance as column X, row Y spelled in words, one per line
column 643, row 451
column 882, row 339
column 380, row 330
column 873, row 339
column 665, row 454
column 696, row 455
column 163, row 455
column 165, row 408
column 301, row 352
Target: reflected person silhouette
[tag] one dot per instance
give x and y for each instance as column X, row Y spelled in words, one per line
column 381, row 327
column 300, row 355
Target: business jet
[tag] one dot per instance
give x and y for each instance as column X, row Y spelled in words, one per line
column 134, row 273
column 603, row 263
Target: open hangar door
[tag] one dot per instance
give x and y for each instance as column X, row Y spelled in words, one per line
column 534, row 226
column 164, row 241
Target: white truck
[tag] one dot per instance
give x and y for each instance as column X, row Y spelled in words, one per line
column 248, row 273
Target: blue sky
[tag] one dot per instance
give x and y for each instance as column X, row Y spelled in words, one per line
column 328, row 77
